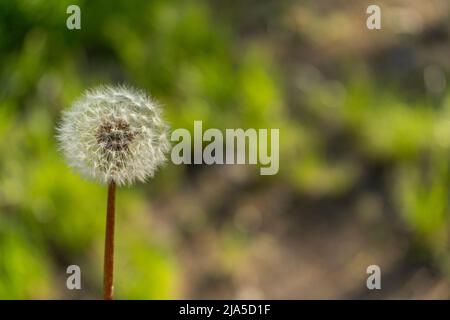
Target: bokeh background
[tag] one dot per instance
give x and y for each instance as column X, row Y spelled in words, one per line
column 364, row 118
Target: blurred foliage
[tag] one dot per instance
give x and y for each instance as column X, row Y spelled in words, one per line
column 200, row 69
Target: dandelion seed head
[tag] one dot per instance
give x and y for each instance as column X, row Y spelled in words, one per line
column 114, row 134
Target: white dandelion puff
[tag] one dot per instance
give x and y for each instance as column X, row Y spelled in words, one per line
column 114, row 134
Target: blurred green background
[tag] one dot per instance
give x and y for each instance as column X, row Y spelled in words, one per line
column 364, row 119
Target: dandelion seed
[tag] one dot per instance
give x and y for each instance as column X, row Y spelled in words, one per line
column 114, row 134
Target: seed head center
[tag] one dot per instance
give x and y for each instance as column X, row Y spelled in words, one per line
column 115, row 135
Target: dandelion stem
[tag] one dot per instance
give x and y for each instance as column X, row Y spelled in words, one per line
column 109, row 244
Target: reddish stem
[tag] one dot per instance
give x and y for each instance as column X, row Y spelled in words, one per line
column 108, row 272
